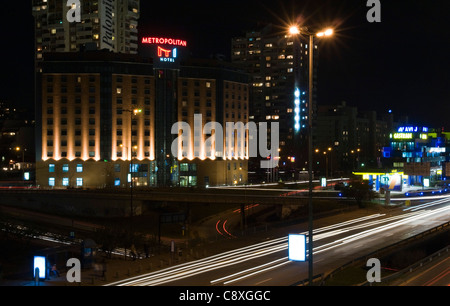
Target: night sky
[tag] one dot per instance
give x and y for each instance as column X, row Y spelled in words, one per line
column 401, row 63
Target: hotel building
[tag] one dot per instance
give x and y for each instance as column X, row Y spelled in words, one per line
column 108, row 119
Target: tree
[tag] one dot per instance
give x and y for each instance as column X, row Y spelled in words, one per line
column 360, row 191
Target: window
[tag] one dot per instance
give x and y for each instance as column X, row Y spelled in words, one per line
column 117, row 182
column 51, row 168
column 65, row 168
column 79, row 168
column 65, row 182
column 51, row 182
column 79, row 182
column 184, row 167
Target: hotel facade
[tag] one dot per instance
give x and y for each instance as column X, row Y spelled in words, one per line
column 108, row 119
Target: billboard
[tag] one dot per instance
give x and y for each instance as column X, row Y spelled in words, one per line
column 107, row 9
column 39, row 262
column 392, row 182
column 297, row 247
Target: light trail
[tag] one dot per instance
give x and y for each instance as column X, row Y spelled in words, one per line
column 425, row 205
column 273, row 246
column 231, row 257
column 328, row 246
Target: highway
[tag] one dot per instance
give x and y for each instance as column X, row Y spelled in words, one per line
column 266, row 263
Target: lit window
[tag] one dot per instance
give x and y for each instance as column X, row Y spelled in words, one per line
column 65, row 181
column 51, row 168
column 65, row 168
column 79, row 168
column 117, row 182
column 51, row 182
column 79, row 182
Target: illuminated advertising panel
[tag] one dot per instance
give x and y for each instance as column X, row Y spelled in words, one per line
column 297, row 109
column 412, row 129
column 166, row 52
column 392, row 182
column 39, row 262
column 297, row 247
column 403, row 136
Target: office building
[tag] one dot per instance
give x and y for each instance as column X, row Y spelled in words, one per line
column 279, row 66
column 350, row 139
column 107, row 24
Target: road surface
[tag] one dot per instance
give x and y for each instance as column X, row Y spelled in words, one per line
column 266, row 263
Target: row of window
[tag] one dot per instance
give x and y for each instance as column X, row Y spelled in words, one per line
column 77, row 132
column 64, row 154
column 92, row 100
column 92, row 154
column 64, row 111
column 65, row 182
column 65, row 168
column 92, row 79
column 63, row 143
column 117, row 168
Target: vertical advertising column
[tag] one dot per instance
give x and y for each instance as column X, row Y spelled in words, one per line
column 107, row 12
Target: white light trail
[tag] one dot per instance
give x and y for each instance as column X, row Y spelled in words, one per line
column 278, row 245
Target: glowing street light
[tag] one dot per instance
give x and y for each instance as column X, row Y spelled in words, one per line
column 295, row 30
column 327, row 32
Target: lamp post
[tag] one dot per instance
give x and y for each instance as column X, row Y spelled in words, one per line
column 132, row 112
column 295, row 30
column 23, row 161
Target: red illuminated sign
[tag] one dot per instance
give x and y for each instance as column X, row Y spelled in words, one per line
column 164, row 41
column 161, row 51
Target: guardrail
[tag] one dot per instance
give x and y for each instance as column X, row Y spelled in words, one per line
column 385, row 250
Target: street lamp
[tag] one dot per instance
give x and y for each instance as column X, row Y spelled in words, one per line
column 22, row 166
column 132, row 112
column 295, row 30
